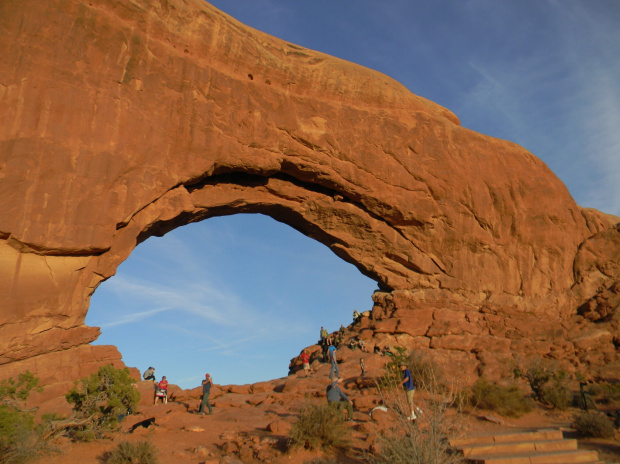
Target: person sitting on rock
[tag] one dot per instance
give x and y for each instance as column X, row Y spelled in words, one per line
column 149, row 374
column 161, row 391
column 356, row 316
column 362, row 346
column 336, row 398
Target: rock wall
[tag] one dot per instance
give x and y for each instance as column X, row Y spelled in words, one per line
column 120, row 120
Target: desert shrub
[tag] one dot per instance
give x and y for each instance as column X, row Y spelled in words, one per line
column 548, row 382
column 556, row 392
column 427, row 439
column 99, row 400
column 13, row 391
column 132, row 453
column 537, row 373
column 23, row 446
column 392, row 375
column 320, row 427
column 20, row 442
column 606, row 393
column 415, row 448
column 428, row 376
column 593, row 424
column 505, row 400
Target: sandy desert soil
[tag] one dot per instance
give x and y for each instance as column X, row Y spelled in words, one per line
column 251, row 423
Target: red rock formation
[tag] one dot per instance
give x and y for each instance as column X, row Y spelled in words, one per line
column 123, row 120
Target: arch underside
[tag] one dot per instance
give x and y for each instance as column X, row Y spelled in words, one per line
column 124, row 120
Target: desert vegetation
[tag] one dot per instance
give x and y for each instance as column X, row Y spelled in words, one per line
column 427, row 439
column 143, row 452
column 548, row 382
column 20, row 440
column 507, row 400
column 99, row 402
column 320, row 426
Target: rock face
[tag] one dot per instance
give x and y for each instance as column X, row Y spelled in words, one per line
column 120, row 120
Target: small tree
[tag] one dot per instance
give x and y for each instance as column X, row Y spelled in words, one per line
column 425, row 441
column 548, row 382
column 100, row 400
column 392, row 375
column 20, row 441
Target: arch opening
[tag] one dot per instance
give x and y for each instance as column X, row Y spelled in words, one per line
column 237, row 296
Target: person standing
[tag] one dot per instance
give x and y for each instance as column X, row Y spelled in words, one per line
column 333, row 373
column 305, row 361
column 336, row 398
column 409, row 387
column 323, row 335
column 206, row 391
column 362, row 367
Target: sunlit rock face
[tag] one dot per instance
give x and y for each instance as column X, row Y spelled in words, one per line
column 120, row 120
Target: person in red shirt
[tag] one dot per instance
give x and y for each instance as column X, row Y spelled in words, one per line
column 305, row 360
column 161, row 391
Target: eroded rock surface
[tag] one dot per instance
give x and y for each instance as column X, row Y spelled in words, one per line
column 123, row 120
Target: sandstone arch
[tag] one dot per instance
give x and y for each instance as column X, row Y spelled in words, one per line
column 121, row 120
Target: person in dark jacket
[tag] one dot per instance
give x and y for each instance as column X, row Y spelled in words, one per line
column 207, row 383
column 337, row 399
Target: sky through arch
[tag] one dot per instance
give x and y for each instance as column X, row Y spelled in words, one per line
column 236, row 296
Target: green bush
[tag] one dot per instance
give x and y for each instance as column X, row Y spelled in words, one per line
column 505, row 400
column 320, row 427
column 99, row 400
column 556, row 392
column 548, row 382
column 593, row 424
column 20, row 442
column 132, row 453
column 392, row 375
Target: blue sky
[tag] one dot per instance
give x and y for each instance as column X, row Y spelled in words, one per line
column 239, row 296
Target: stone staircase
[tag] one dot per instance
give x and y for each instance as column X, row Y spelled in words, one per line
column 538, row 447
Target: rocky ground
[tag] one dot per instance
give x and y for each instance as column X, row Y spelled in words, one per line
column 251, row 423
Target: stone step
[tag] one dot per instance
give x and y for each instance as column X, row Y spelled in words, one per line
column 546, row 446
column 518, row 447
column 554, row 457
column 537, row 435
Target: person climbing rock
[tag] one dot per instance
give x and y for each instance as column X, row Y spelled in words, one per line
column 336, row 398
column 149, row 374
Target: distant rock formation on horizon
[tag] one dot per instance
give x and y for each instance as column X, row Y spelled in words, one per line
column 121, row 120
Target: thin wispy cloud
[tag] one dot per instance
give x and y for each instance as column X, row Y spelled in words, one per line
column 133, row 318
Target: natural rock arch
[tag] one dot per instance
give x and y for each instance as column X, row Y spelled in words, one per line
column 122, row 120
